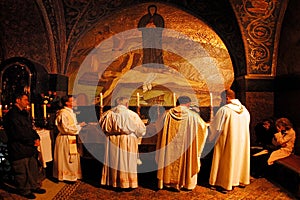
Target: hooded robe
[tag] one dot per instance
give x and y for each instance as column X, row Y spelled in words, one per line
column 179, row 147
column 231, row 157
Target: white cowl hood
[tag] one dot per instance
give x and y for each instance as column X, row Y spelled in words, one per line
column 236, row 105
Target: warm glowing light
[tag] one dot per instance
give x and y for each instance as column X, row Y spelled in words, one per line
column 138, row 99
column 32, row 111
column 101, row 99
column 45, row 111
column 174, row 99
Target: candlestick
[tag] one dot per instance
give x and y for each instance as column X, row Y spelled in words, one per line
column 32, row 111
column 138, row 99
column 174, row 99
column 211, row 106
column 211, row 99
column 45, row 111
column 101, row 104
column 0, row 110
column 101, row 99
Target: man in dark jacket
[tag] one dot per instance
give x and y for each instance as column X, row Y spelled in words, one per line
column 22, row 148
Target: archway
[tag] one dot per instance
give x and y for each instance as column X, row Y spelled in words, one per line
column 21, row 75
column 17, row 75
column 97, row 72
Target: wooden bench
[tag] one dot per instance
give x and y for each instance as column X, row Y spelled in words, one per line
column 291, row 162
column 287, row 173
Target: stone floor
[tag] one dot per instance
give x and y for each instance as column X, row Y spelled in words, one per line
column 89, row 188
column 258, row 189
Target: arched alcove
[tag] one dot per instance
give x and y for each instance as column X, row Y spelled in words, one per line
column 118, row 54
column 17, row 75
column 21, row 75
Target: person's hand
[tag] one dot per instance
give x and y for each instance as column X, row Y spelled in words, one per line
column 195, row 109
column 82, row 124
column 37, row 142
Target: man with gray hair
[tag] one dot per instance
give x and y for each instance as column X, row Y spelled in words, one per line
column 122, row 128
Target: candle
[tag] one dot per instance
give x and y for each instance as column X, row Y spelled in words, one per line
column 101, row 99
column 211, row 106
column 174, row 99
column 138, row 99
column 32, row 111
column 211, row 99
column 0, row 110
column 45, row 111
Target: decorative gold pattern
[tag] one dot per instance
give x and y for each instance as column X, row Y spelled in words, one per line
column 49, row 33
column 258, row 20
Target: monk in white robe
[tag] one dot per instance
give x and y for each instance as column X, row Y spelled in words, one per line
column 231, row 156
column 66, row 165
column 179, row 147
column 123, row 128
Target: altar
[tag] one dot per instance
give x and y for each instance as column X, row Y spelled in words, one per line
column 91, row 141
column 91, row 138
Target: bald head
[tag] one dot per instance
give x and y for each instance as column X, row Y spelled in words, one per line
column 230, row 94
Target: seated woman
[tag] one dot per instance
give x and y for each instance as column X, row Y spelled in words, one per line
column 284, row 139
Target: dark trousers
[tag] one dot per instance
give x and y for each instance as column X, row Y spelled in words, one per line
column 26, row 174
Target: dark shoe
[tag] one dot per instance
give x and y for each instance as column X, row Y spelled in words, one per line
column 186, row 189
column 29, row 196
column 128, row 189
column 172, row 189
column 212, row 187
column 70, row 182
column 222, row 190
column 39, row 191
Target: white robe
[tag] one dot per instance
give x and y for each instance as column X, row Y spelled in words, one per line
column 231, row 157
column 122, row 127
column 66, row 165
